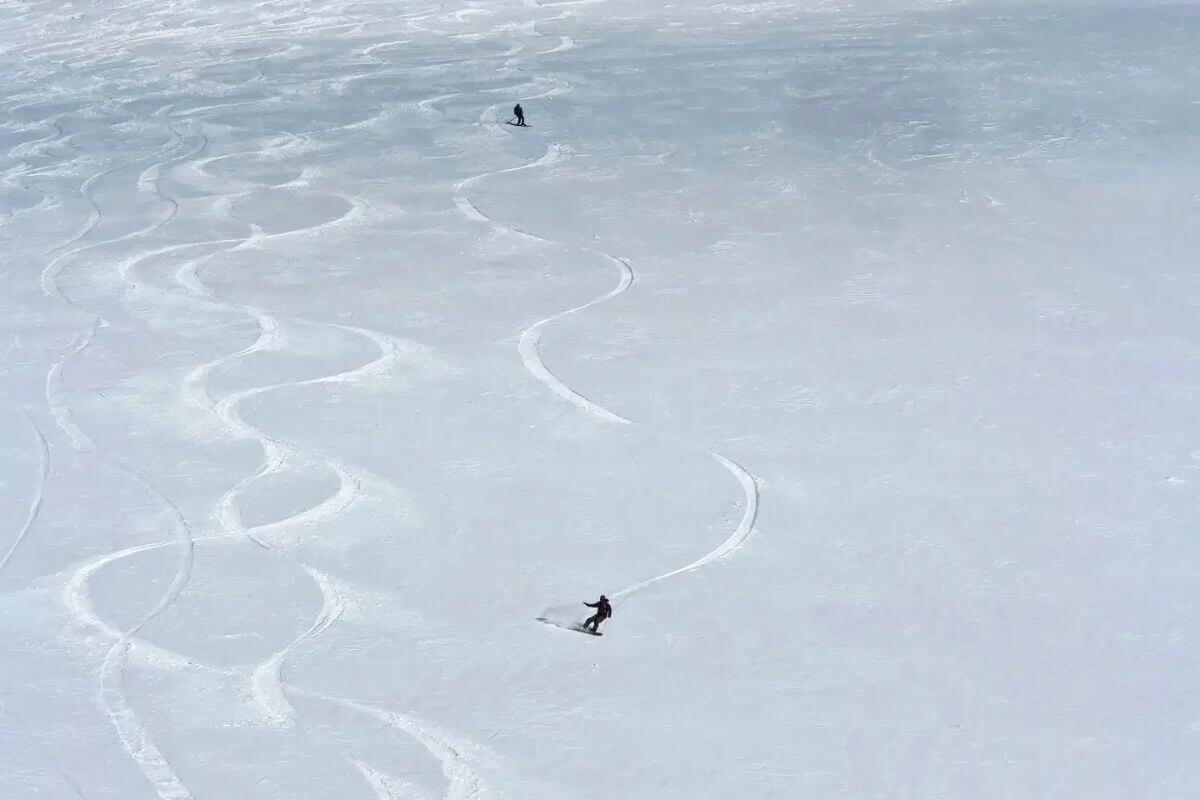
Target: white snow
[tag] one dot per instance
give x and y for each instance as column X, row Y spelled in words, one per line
column 851, row 346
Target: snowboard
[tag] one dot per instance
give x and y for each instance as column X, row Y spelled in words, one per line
column 588, row 631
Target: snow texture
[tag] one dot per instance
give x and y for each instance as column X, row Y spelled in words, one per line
column 850, row 346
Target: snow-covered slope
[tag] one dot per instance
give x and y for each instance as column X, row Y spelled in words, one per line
column 851, row 347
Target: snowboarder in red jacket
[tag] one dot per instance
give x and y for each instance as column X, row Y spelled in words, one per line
column 603, row 612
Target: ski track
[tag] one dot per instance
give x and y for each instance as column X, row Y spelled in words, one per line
column 268, row 682
column 148, row 181
column 125, row 266
column 134, row 737
column 528, row 343
column 269, row 687
column 60, row 409
column 188, row 276
column 565, row 43
column 268, row 678
column 426, row 105
column 744, row 530
column 490, row 116
column 25, row 170
column 463, row 782
column 51, row 273
column 77, row 600
column 530, row 355
column 39, row 491
column 196, row 166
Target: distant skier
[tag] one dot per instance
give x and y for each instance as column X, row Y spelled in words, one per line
column 520, row 115
column 603, row 612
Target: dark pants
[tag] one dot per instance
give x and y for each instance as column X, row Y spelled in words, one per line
column 521, row 120
column 594, row 621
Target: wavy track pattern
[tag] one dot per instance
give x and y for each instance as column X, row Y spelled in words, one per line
column 532, row 359
column 133, row 735
column 134, row 738
column 23, row 152
column 268, row 683
column 51, row 273
column 59, row 408
column 267, row 677
column 78, row 601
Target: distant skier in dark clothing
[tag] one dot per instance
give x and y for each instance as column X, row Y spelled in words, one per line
column 603, row 612
column 520, row 114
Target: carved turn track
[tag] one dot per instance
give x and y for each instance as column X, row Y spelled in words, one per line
column 528, row 346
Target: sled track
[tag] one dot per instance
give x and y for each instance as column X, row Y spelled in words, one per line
column 530, row 338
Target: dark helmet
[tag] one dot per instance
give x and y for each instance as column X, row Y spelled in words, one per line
column 602, row 597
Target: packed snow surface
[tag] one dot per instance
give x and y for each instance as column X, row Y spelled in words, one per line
column 851, row 346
